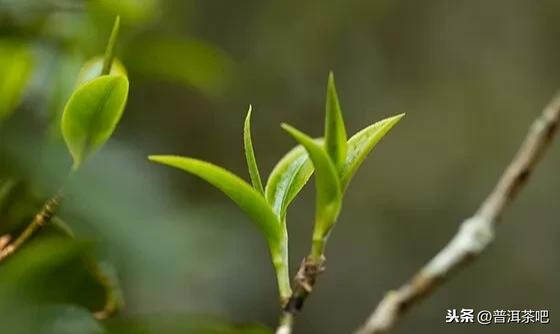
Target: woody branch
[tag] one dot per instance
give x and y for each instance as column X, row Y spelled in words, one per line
column 475, row 233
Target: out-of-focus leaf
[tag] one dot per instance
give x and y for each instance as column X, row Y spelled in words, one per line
column 328, row 197
column 335, row 132
column 180, row 324
column 23, row 318
column 361, row 144
column 92, row 69
column 92, row 113
column 35, row 259
column 250, row 154
column 16, row 64
column 132, row 11
column 7, row 187
column 67, row 319
column 18, row 204
column 190, row 62
column 287, row 178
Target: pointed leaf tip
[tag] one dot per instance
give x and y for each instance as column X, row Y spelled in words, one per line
column 362, row 143
column 250, row 154
column 335, row 132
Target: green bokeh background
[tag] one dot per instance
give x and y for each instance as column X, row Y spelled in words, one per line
column 471, row 76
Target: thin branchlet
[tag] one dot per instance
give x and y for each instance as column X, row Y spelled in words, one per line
column 475, row 233
column 42, row 218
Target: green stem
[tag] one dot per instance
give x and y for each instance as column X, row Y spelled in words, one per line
column 286, row 323
column 280, row 261
column 317, row 247
column 110, row 50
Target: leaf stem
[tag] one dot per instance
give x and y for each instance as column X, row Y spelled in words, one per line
column 286, row 323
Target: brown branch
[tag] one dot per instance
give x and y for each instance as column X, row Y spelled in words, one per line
column 475, row 233
column 304, row 281
column 41, row 219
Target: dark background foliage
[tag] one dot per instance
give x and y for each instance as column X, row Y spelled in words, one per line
column 471, row 76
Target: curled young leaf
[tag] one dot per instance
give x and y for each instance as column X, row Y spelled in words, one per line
column 92, row 113
column 250, row 154
column 287, row 178
column 335, row 132
column 249, row 200
column 329, row 196
column 361, row 144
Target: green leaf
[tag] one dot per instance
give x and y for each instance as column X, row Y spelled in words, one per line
column 335, row 133
column 287, row 178
column 92, row 113
column 250, row 201
column 247, row 198
column 362, row 143
column 110, row 50
column 250, row 154
column 16, row 65
column 328, row 197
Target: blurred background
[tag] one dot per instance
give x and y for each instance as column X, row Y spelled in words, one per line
column 471, row 76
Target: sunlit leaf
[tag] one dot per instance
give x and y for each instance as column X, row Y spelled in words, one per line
column 15, row 68
column 250, row 201
column 92, row 113
column 328, row 197
column 335, row 132
column 362, row 143
column 250, row 154
column 287, row 178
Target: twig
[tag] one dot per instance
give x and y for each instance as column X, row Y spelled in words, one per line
column 106, row 276
column 304, row 281
column 286, row 323
column 4, row 241
column 475, row 233
column 41, row 219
